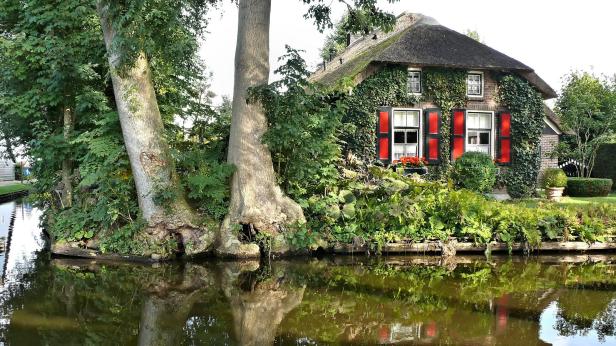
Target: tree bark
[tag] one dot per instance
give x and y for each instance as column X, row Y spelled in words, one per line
column 256, row 199
column 67, row 165
column 151, row 163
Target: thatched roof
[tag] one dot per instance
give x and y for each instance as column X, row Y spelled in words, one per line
column 420, row 40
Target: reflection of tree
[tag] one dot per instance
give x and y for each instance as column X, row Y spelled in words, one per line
column 168, row 305
column 259, row 301
column 581, row 311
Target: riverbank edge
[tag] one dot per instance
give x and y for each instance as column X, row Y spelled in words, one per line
column 427, row 248
column 9, row 196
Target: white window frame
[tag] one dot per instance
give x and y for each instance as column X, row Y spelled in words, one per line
column 420, row 135
column 482, row 87
column 492, row 131
column 408, row 72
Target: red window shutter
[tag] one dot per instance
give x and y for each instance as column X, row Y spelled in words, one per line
column 383, row 135
column 459, row 133
column 432, row 149
column 504, row 138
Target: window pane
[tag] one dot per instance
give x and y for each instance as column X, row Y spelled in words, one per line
column 412, row 119
column 398, row 151
column 485, row 121
column 484, row 138
column 399, row 118
column 472, row 121
column 415, row 82
column 472, row 137
column 399, row 137
column 411, row 137
column 473, row 84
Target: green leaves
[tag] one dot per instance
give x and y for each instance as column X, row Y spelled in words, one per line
column 587, row 108
column 527, row 113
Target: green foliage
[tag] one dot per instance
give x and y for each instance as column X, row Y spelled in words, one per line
column 447, row 89
column 363, row 16
column 54, row 59
column 604, row 166
column 589, row 187
column 587, row 107
column 386, row 87
column 303, row 129
column 475, row 171
column 554, row 177
column 207, row 181
column 527, row 113
column 384, row 206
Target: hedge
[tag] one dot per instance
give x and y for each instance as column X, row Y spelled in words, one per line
column 589, row 187
column 605, row 165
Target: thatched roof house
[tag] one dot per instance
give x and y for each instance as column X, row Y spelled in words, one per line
column 420, row 43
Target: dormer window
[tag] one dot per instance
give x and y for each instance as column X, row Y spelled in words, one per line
column 414, row 81
column 474, row 84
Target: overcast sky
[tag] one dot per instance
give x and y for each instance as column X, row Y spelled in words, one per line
column 551, row 36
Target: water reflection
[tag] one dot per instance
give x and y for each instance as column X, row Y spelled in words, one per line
column 358, row 301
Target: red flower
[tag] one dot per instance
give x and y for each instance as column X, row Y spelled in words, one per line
column 412, row 161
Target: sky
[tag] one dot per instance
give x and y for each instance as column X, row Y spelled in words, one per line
column 551, row 36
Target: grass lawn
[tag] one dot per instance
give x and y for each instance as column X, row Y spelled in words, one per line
column 4, row 190
column 611, row 199
column 571, row 202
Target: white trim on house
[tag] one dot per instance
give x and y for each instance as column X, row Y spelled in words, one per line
column 553, row 126
column 492, row 130
column 480, row 96
column 414, row 69
column 420, row 134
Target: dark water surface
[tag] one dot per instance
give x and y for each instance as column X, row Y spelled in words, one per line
column 343, row 300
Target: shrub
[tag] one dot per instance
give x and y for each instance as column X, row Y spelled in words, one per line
column 589, row 187
column 383, row 206
column 605, row 168
column 554, row 177
column 475, row 171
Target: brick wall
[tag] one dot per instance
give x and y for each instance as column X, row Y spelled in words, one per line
column 548, row 143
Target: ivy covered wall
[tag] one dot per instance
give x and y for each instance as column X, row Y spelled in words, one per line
column 446, row 89
column 527, row 113
column 386, row 87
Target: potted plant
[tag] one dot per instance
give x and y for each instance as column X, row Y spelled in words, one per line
column 554, row 183
column 412, row 164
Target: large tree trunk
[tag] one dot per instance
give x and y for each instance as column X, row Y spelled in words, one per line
column 151, row 163
column 256, row 200
column 67, row 165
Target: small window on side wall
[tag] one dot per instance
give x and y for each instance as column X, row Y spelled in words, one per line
column 474, row 84
column 414, row 81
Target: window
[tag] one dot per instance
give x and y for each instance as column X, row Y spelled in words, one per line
column 406, row 134
column 479, row 132
column 474, row 84
column 414, row 81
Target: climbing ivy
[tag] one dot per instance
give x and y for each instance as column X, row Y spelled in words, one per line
column 446, row 88
column 385, row 88
column 388, row 87
column 527, row 113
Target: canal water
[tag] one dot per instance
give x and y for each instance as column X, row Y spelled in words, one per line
column 558, row 300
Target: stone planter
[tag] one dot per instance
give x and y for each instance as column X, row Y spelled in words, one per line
column 418, row 170
column 554, row 193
